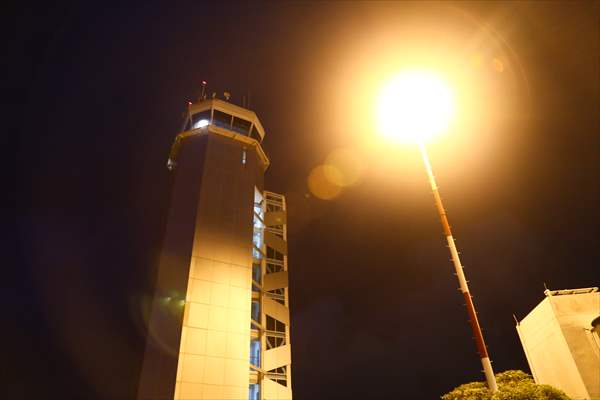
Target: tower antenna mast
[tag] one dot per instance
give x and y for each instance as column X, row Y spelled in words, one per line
column 203, row 95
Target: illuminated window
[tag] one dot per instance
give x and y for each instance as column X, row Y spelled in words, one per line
column 254, row 391
column 259, row 226
column 200, row 119
column 255, row 352
column 258, row 201
column 257, row 273
column 257, row 238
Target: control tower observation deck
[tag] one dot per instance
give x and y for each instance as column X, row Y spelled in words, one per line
column 219, row 323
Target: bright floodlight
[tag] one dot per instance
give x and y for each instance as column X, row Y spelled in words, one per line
column 201, row 124
column 414, row 106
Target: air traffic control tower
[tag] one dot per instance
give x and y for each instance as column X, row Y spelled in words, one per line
column 219, row 324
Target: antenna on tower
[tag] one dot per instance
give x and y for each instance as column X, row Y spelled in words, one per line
column 203, row 95
column 246, row 99
column 189, row 114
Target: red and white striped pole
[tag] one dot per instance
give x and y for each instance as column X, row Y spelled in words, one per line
column 464, row 288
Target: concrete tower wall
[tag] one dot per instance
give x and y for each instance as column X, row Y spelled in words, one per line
column 201, row 310
column 215, row 342
column 165, row 316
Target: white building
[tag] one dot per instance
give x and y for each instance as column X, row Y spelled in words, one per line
column 561, row 341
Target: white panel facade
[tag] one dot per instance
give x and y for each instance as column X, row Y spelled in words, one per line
column 560, row 344
column 214, row 348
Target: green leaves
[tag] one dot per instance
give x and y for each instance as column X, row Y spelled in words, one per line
column 512, row 385
column 469, row 391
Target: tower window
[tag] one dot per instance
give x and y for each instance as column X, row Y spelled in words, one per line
column 254, row 133
column 596, row 330
column 275, row 325
column 255, row 311
column 274, row 254
column 257, row 273
column 254, row 391
column 273, row 207
column 200, row 119
column 274, row 341
column 222, row 119
column 241, row 125
column 255, row 352
column 271, row 268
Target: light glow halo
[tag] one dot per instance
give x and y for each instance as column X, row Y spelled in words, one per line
column 414, row 106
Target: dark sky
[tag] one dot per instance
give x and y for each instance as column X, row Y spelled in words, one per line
column 98, row 93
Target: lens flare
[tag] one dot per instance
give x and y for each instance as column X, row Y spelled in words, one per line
column 344, row 167
column 414, row 106
column 320, row 186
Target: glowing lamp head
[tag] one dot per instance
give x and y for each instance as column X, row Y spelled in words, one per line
column 201, row 124
column 414, row 106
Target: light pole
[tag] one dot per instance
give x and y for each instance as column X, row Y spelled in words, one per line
column 460, row 275
column 415, row 106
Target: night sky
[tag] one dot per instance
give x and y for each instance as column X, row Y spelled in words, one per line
column 98, row 94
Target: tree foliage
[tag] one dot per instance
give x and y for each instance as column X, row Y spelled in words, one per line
column 512, row 385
